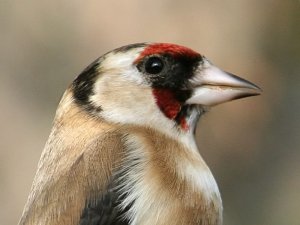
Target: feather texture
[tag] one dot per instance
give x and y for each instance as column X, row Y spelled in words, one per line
column 83, row 153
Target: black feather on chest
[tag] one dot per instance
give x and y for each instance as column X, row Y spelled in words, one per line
column 105, row 210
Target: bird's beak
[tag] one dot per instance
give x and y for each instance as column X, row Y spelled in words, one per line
column 212, row 86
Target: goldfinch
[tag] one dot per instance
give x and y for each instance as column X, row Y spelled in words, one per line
column 122, row 148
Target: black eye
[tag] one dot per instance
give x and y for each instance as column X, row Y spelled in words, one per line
column 154, row 65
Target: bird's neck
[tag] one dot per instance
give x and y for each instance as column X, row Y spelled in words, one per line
column 170, row 178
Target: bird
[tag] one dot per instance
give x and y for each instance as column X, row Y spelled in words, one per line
column 122, row 148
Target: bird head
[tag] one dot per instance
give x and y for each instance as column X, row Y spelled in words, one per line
column 156, row 84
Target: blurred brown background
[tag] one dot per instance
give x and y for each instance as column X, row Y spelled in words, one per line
column 251, row 145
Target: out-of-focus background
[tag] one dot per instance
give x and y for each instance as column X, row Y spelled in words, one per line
column 251, row 145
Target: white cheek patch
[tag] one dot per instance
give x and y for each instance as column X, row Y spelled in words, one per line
column 125, row 98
